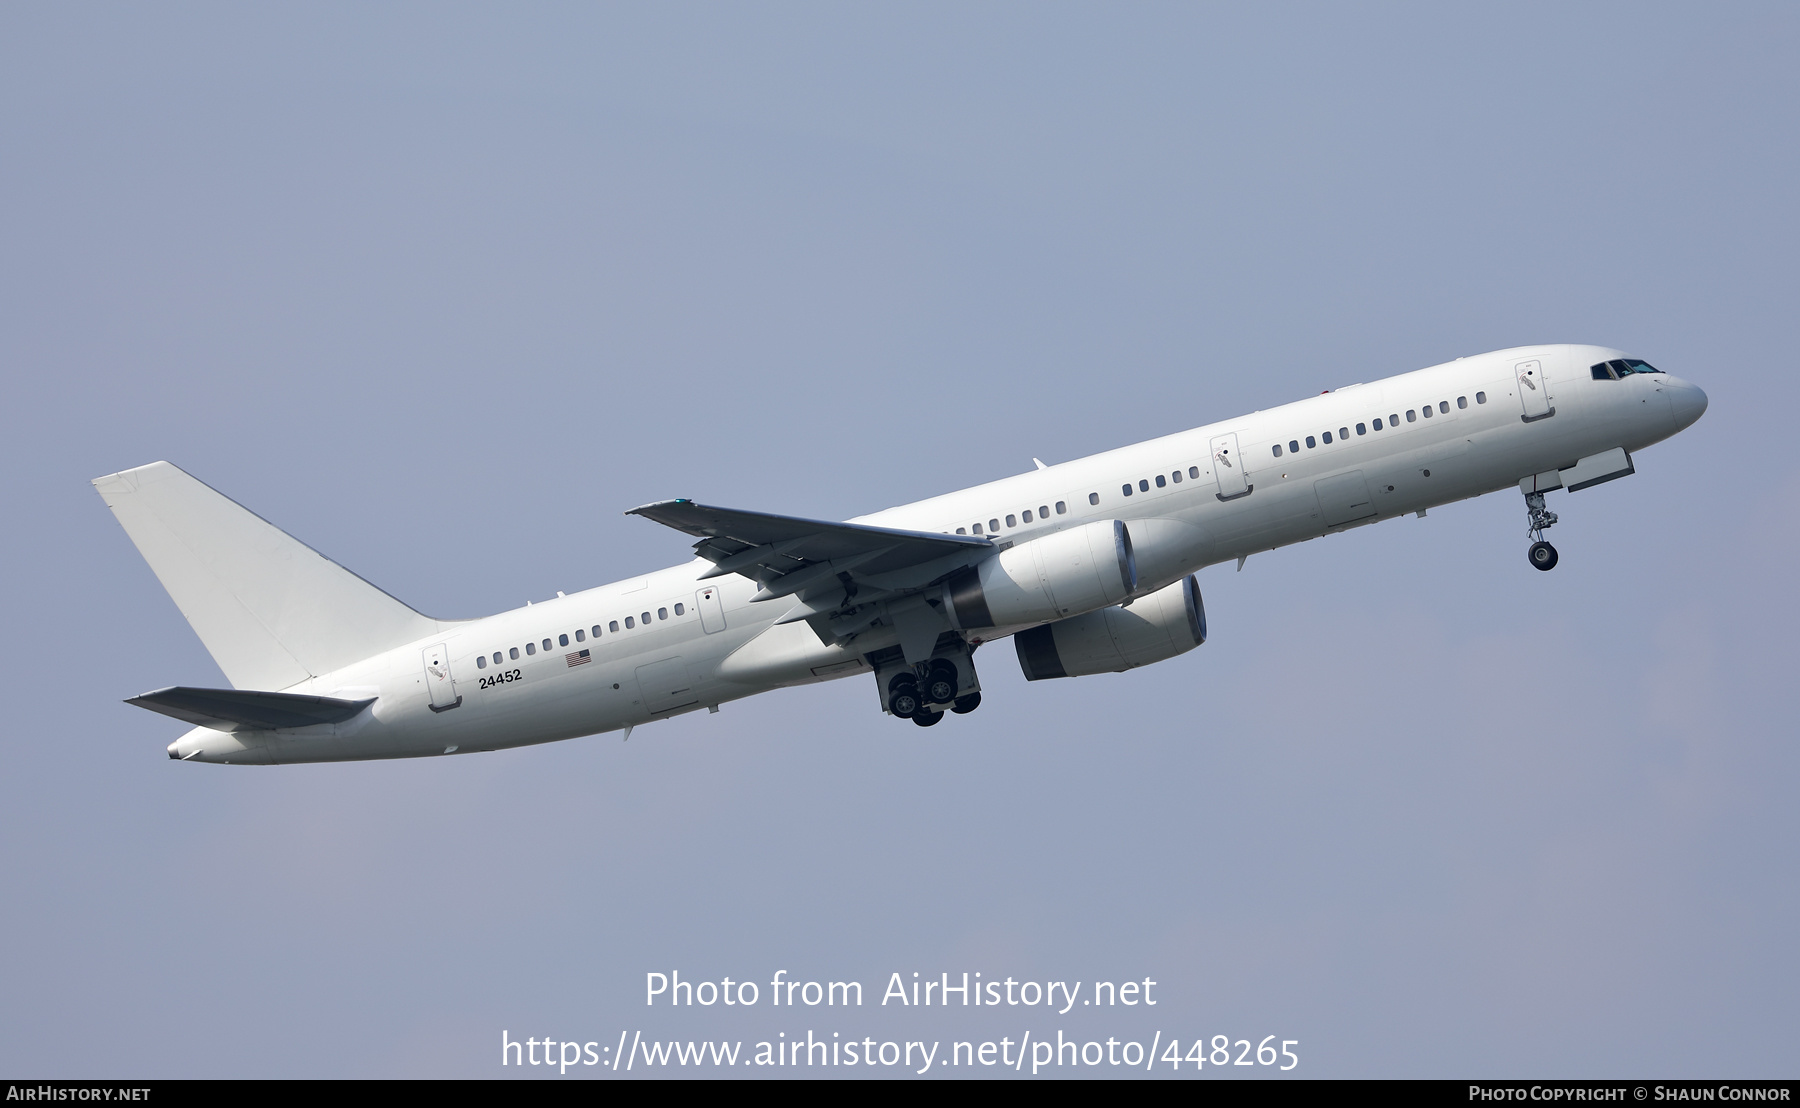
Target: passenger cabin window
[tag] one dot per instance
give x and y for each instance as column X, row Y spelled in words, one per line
column 1176, row 477
column 629, row 623
column 962, row 530
column 1125, row 488
column 1293, row 446
column 1443, row 407
column 1093, row 498
column 1311, row 442
column 681, row 609
column 1160, row 482
column 481, row 661
column 644, row 618
column 993, row 525
column 1394, row 420
column 661, row 613
column 1194, row 472
column 563, row 640
column 581, row 636
column 1326, row 435
column 496, row 657
column 1410, row 417
column 1044, row 510
column 1012, row 521
column 1462, row 402
column 1343, row 432
column 1481, row 398
column 1377, row 422
column 1143, row 486
column 1362, row 428
column 513, row 653
column 531, row 648
column 1278, row 450
column 546, row 644
column 1062, row 506
column 613, row 626
column 1426, row 410
column 1026, row 515
column 978, row 528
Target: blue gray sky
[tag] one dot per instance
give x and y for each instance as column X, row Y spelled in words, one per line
column 443, row 289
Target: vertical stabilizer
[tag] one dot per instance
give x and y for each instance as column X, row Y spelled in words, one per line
column 271, row 610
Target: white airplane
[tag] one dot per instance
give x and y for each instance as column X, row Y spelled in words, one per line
column 1088, row 565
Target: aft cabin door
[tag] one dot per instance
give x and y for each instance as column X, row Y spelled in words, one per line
column 438, row 681
column 1228, row 468
column 1534, row 391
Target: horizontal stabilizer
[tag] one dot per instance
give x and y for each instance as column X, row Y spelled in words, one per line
column 242, row 710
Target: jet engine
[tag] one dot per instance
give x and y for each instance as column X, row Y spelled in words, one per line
column 1054, row 577
column 1170, row 621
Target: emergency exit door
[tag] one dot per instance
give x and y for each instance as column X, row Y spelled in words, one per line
column 711, row 608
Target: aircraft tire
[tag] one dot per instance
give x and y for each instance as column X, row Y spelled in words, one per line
column 966, row 704
column 927, row 719
column 1542, row 556
column 940, row 682
column 903, row 697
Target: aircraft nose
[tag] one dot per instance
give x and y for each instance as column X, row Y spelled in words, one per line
column 1688, row 403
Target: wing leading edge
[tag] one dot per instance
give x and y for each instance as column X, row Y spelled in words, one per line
column 825, row 566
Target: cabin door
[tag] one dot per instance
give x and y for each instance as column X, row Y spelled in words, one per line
column 438, row 682
column 1228, row 468
column 1534, row 391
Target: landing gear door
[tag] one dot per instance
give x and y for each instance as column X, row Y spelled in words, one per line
column 711, row 608
column 438, row 682
column 1228, row 468
column 1534, row 390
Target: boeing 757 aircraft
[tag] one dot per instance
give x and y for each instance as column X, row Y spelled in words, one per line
column 1088, row 566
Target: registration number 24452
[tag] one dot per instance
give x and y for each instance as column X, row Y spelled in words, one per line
column 505, row 677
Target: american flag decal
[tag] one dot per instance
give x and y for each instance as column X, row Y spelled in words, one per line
column 580, row 659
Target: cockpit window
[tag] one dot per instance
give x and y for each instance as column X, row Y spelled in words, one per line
column 1621, row 368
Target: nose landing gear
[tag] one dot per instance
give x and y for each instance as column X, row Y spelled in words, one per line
column 1541, row 555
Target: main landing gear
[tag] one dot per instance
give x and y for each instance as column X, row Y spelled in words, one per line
column 924, row 692
column 1541, row 555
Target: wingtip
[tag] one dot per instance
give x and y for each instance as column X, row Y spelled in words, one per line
column 643, row 508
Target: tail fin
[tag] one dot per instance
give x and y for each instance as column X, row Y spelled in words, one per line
column 271, row 610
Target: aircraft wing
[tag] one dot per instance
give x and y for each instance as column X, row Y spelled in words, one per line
column 245, row 710
column 822, row 563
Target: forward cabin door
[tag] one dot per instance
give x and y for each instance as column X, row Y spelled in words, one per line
column 711, row 608
column 438, row 682
column 1228, row 468
column 1534, row 390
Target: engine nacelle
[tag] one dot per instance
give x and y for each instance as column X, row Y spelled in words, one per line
column 1054, row 577
column 1170, row 621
